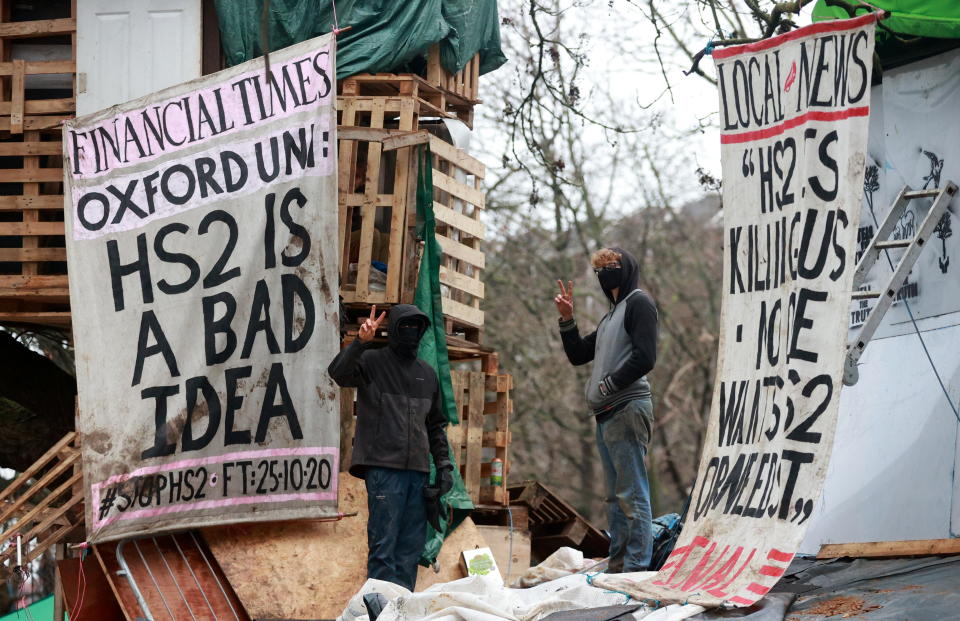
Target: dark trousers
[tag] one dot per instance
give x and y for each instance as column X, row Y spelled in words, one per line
column 397, row 528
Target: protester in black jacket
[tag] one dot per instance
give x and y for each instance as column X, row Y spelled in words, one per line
column 400, row 423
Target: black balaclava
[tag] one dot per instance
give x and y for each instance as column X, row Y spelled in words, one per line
column 625, row 278
column 406, row 326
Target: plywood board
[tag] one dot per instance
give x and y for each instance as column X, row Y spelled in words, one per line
column 309, row 570
column 511, row 556
column 882, row 549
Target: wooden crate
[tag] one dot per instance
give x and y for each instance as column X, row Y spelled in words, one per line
column 464, row 85
column 33, row 281
column 484, row 407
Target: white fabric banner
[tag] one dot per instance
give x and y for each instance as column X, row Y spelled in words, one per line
column 201, row 236
column 793, row 113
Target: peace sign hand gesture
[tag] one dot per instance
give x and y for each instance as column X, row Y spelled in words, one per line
column 369, row 327
column 564, row 300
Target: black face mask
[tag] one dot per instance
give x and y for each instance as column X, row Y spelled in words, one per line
column 407, row 339
column 610, row 279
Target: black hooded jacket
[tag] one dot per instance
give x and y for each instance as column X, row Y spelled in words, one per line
column 400, row 420
column 639, row 320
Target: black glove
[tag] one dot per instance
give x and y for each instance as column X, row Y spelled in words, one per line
column 444, row 476
column 431, row 502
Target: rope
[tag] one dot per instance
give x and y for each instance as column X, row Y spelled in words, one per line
column 916, row 329
column 336, row 22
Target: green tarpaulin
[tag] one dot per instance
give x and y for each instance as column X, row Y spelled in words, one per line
column 384, row 35
column 938, row 19
column 923, row 28
column 433, row 347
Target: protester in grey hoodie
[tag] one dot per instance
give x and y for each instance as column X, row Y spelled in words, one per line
column 623, row 350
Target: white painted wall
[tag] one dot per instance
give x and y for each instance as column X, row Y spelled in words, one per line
column 896, row 448
column 128, row 48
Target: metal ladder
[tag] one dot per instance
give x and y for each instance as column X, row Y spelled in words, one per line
column 881, row 243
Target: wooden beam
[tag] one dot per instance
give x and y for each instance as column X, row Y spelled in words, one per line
column 34, row 175
column 37, row 27
column 17, row 96
column 33, row 254
column 43, row 106
column 20, row 203
column 32, row 228
column 34, row 122
column 407, row 139
column 27, row 148
column 36, row 67
column 882, row 549
column 55, row 319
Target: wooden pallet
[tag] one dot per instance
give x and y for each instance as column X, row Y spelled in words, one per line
column 458, row 201
column 464, row 85
column 431, row 98
column 378, row 213
column 33, row 281
column 43, row 505
column 484, row 407
column 555, row 523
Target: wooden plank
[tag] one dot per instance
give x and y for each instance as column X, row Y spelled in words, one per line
column 33, row 254
column 31, row 175
column 408, row 139
column 459, row 220
column 43, row 504
column 34, row 122
column 32, row 228
column 368, row 134
column 17, row 96
column 501, row 382
column 465, row 314
column 885, row 549
column 43, row 106
column 37, row 27
column 459, row 251
column 56, row 319
column 449, row 184
column 458, row 157
column 17, row 505
column 34, row 286
column 40, row 548
column 38, row 67
column 403, row 185
column 474, row 455
column 496, row 438
column 462, row 282
column 504, row 541
column 21, row 203
column 368, row 211
column 42, row 462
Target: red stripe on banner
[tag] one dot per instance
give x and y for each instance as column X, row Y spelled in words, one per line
column 742, row 601
column 759, row 589
column 770, row 570
column 834, row 26
column 776, row 555
column 810, row 115
column 718, row 593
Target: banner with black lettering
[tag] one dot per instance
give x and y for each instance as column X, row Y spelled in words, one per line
column 793, row 113
column 201, row 236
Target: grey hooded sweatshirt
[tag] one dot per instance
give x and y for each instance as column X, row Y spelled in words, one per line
column 624, row 346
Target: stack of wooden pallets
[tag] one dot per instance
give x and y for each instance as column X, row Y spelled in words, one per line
column 33, row 281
